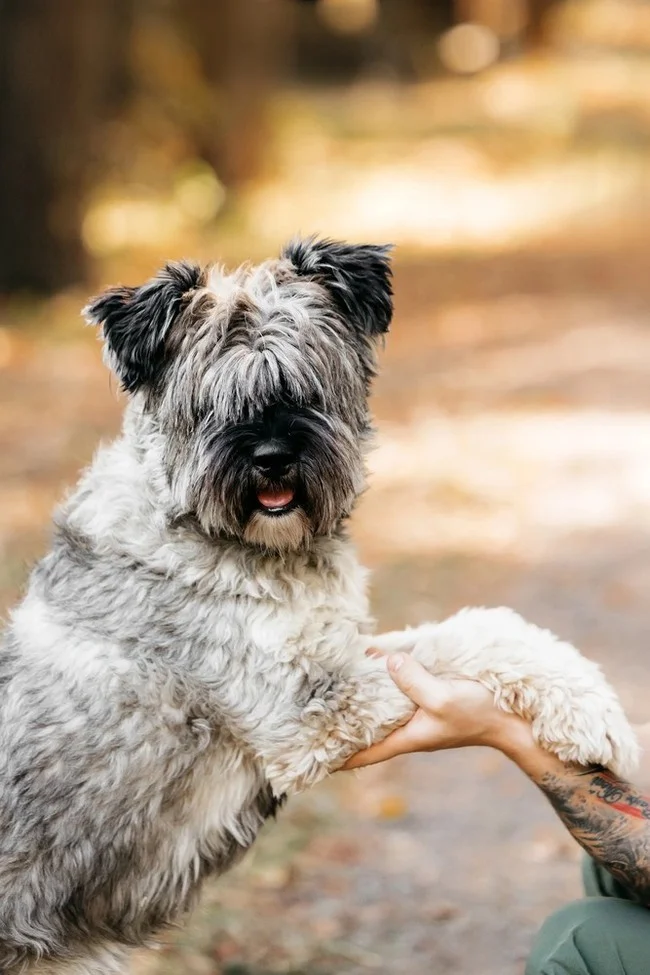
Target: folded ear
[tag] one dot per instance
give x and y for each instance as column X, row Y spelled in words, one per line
column 357, row 276
column 137, row 322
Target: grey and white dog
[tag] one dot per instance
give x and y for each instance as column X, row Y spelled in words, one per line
column 191, row 650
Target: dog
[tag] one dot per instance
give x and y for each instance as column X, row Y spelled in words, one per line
column 191, row 650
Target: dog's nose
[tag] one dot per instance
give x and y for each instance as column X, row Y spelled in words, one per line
column 273, row 458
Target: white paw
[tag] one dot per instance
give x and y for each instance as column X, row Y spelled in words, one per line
column 573, row 710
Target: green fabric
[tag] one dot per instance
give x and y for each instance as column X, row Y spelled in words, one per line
column 607, row 933
column 599, row 882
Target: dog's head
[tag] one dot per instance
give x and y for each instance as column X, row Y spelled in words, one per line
column 254, row 385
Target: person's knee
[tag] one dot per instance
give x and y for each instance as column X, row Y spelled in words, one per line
column 584, row 938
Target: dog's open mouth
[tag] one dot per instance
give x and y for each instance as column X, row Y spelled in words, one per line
column 276, row 502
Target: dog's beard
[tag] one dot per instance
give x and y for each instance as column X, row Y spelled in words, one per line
column 325, row 481
column 287, row 532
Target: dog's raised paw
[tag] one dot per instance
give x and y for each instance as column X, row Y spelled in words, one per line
column 573, row 711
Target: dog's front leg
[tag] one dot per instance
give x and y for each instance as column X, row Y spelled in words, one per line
column 346, row 711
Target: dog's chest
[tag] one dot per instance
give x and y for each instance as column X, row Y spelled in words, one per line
column 320, row 620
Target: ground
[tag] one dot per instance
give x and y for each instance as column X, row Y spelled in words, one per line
column 512, row 467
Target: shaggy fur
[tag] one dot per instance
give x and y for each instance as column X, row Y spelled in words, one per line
column 191, row 650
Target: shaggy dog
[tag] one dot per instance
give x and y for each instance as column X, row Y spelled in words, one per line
column 191, row 650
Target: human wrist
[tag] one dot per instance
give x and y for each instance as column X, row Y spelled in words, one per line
column 513, row 736
column 516, row 741
column 510, row 734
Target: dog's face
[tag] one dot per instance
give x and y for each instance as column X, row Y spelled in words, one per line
column 254, row 385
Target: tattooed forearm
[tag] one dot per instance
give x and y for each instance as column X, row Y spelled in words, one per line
column 611, row 821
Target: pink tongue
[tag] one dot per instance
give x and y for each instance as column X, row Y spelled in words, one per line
column 275, row 499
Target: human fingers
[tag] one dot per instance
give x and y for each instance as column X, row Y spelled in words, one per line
column 375, row 653
column 430, row 693
column 399, row 742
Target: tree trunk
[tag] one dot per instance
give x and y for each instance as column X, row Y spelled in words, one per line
column 243, row 48
column 536, row 32
column 63, row 68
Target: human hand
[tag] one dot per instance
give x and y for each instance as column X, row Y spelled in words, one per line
column 451, row 714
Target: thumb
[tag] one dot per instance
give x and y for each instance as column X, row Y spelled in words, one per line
column 416, row 682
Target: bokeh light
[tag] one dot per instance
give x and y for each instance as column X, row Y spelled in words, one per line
column 348, row 16
column 468, row 48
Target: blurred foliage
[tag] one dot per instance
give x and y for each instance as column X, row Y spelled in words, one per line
column 171, row 105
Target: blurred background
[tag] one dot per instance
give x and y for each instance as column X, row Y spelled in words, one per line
column 504, row 146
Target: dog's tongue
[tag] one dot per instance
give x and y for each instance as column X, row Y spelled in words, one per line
column 275, row 499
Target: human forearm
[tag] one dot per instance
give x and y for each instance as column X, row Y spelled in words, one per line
column 608, row 817
column 643, row 734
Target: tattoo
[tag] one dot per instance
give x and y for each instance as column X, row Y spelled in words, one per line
column 610, row 819
column 620, row 796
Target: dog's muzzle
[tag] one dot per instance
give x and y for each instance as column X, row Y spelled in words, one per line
column 276, row 464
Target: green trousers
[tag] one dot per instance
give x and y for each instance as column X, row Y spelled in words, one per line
column 607, row 933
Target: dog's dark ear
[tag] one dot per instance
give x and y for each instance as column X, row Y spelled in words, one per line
column 357, row 276
column 137, row 322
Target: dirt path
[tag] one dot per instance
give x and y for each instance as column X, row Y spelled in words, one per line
column 513, row 467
